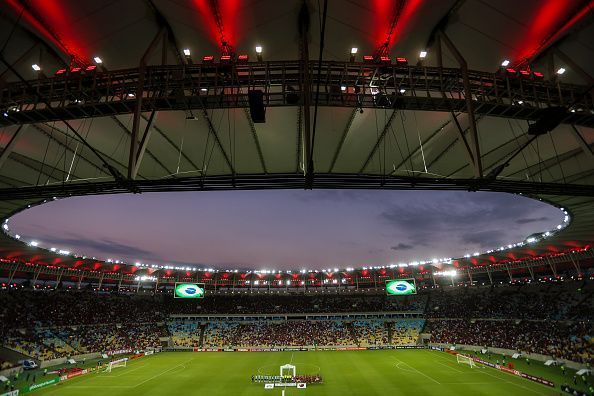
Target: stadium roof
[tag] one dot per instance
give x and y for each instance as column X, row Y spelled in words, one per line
column 378, row 123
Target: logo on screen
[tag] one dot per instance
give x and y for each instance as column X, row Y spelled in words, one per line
column 401, row 287
column 189, row 290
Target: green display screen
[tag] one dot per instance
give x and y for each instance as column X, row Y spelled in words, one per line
column 189, row 290
column 401, row 287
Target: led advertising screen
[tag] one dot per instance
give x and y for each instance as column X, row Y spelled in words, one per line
column 401, row 287
column 189, row 290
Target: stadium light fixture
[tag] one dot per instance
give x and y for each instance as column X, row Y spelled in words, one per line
column 505, row 63
column 354, row 50
column 98, row 60
column 17, row 236
column 560, row 71
column 423, row 54
column 259, row 52
column 34, row 243
column 186, row 51
column 35, row 67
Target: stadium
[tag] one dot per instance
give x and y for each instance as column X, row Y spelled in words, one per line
column 361, row 101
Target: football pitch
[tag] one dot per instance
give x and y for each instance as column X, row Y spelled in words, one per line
column 394, row 372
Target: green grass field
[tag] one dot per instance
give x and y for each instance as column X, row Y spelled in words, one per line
column 397, row 372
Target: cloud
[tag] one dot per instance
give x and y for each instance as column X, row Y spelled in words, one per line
column 402, row 246
column 528, row 220
column 484, row 239
column 104, row 246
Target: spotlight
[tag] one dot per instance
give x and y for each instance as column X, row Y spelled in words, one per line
column 187, row 52
column 423, row 54
column 259, row 53
column 36, row 67
column 354, row 51
column 98, row 60
column 505, row 63
column 559, row 72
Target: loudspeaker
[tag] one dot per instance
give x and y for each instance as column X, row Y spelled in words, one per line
column 257, row 110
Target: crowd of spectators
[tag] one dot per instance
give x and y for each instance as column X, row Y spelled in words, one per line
column 551, row 338
column 290, row 333
column 281, row 304
column 537, row 301
column 550, row 318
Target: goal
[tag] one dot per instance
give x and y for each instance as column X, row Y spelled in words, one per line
column 116, row 363
column 465, row 360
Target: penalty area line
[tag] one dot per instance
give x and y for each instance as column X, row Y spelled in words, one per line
column 163, row 372
column 419, row 372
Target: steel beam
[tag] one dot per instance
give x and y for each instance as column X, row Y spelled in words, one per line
column 10, row 145
column 379, row 140
column 132, row 159
column 478, row 171
column 343, row 137
column 143, row 144
column 582, row 142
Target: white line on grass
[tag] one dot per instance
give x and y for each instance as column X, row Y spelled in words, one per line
column 509, row 382
column 163, row 372
column 126, row 372
column 450, row 367
column 423, row 374
column 495, row 376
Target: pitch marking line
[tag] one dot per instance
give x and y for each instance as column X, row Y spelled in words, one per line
column 124, row 372
column 450, row 367
column 510, row 382
column 497, row 377
column 423, row 374
column 163, row 372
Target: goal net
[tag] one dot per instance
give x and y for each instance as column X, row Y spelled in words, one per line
column 465, row 360
column 287, row 372
column 115, row 364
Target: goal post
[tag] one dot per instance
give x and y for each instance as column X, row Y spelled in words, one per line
column 463, row 359
column 288, row 371
column 116, row 363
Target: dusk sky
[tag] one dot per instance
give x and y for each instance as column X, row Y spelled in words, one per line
column 290, row 229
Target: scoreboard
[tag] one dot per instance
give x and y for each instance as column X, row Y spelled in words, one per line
column 189, row 290
column 401, row 287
